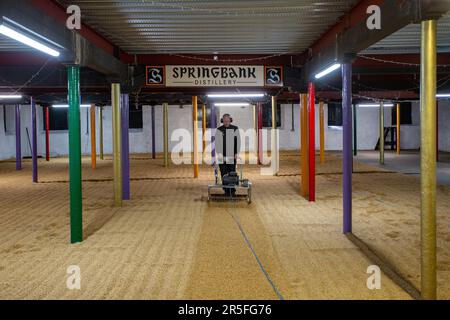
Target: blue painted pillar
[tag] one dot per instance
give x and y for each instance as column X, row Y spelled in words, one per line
column 347, row 155
column 34, row 140
column 18, row 140
column 213, row 132
column 125, row 117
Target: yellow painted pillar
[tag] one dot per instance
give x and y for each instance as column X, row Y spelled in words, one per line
column 117, row 143
column 195, row 134
column 203, row 128
column 93, row 138
column 304, row 188
column 398, row 128
column 166, row 133
column 322, row 133
column 428, row 159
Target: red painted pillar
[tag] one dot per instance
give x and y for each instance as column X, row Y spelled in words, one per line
column 312, row 143
column 47, row 134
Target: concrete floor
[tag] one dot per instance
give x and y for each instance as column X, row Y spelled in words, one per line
column 408, row 162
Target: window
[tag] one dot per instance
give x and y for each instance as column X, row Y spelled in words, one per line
column 58, row 118
column 267, row 115
column 405, row 113
column 9, row 123
column 335, row 114
column 135, row 121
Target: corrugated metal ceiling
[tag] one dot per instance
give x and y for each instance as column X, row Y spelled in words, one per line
column 208, row 26
column 407, row 40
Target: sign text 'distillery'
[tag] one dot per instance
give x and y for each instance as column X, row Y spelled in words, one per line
column 214, row 76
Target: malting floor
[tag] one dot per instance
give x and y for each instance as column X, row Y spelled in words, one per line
column 168, row 242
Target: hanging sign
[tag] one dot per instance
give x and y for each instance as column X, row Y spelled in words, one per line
column 214, row 76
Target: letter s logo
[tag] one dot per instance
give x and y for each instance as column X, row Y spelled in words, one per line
column 155, row 75
column 273, row 76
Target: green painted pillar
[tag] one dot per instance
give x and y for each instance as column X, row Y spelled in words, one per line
column 76, row 223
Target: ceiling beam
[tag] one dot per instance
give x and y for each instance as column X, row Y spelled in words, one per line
column 351, row 35
column 85, row 48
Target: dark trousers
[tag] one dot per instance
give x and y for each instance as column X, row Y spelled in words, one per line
column 226, row 168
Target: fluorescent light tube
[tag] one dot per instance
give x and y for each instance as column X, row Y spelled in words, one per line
column 443, row 95
column 231, row 104
column 375, row 105
column 66, row 105
column 235, row 95
column 327, row 70
column 27, row 40
column 10, row 96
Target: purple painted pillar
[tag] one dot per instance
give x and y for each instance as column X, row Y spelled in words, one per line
column 347, row 154
column 125, row 115
column 213, row 132
column 153, row 134
column 18, row 140
column 34, row 140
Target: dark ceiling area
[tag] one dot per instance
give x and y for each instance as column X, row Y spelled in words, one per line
column 122, row 37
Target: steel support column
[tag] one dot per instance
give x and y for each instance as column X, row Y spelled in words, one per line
column 203, row 128
column 195, row 134
column 47, row 133
column 34, row 141
column 18, row 139
column 381, row 144
column 153, row 134
column 166, row 133
column 260, row 132
column 322, row 132
column 304, row 189
column 125, row 119
column 312, row 142
column 93, row 138
column 76, row 221
column 355, row 133
column 274, row 152
column 428, row 159
column 398, row 128
column 100, row 133
column 117, row 143
column 213, row 132
column 347, row 157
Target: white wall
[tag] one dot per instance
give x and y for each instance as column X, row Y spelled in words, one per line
column 181, row 118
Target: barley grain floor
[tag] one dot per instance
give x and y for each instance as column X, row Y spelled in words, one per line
column 169, row 243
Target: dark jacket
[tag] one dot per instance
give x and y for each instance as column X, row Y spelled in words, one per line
column 227, row 139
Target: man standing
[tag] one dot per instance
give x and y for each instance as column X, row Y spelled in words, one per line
column 228, row 145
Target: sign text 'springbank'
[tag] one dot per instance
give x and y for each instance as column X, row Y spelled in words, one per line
column 214, row 76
